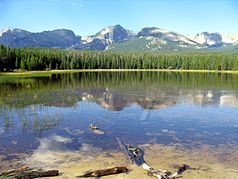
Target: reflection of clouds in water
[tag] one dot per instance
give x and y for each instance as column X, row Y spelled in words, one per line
column 229, row 100
column 74, row 132
column 153, row 134
column 54, row 150
column 61, row 139
column 88, row 148
column 49, row 152
column 2, row 131
column 55, row 142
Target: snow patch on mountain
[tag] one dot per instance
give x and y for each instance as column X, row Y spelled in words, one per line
column 208, row 39
column 184, row 46
column 165, row 35
column 231, row 38
column 103, row 32
column 113, row 34
column 5, row 30
column 155, row 40
column 186, row 40
column 106, row 34
column 159, row 30
column 87, row 39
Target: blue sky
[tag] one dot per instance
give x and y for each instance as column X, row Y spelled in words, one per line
column 86, row 17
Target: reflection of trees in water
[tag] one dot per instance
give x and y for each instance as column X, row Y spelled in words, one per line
column 122, row 80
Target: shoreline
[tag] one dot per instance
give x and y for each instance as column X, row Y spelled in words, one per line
column 113, row 70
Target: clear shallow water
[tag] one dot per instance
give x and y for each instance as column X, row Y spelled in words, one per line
column 187, row 109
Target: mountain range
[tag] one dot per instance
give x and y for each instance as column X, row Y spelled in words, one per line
column 120, row 39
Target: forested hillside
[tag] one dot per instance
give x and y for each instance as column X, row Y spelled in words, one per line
column 42, row 59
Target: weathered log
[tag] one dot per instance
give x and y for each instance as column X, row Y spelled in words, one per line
column 38, row 174
column 14, row 171
column 26, row 173
column 104, row 172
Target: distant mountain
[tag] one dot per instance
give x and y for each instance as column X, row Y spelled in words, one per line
column 120, row 39
column 14, row 37
column 156, row 39
column 60, row 38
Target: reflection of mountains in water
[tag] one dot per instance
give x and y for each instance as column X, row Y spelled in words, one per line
column 116, row 90
column 118, row 101
column 221, row 98
column 159, row 99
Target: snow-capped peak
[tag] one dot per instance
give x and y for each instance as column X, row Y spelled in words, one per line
column 105, row 31
column 112, row 34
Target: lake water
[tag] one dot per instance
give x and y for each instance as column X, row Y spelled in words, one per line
column 175, row 117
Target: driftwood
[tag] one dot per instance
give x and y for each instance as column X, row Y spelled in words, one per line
column 27, row 173
column 104, row 172
column 164, row 174
column 136, row 155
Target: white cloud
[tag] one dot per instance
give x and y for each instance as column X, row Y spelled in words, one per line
column 72, row 3
column 81, row 5
column 0, row 4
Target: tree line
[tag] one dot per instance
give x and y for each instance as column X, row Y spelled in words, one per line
column 51, row 59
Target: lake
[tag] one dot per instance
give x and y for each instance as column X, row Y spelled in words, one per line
column 174, row 117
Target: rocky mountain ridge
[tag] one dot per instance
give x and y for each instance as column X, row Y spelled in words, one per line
column 118, row 38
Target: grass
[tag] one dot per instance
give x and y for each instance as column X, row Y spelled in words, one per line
column 49, row 73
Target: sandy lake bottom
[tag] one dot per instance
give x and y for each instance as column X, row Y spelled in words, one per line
column 208, row 162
